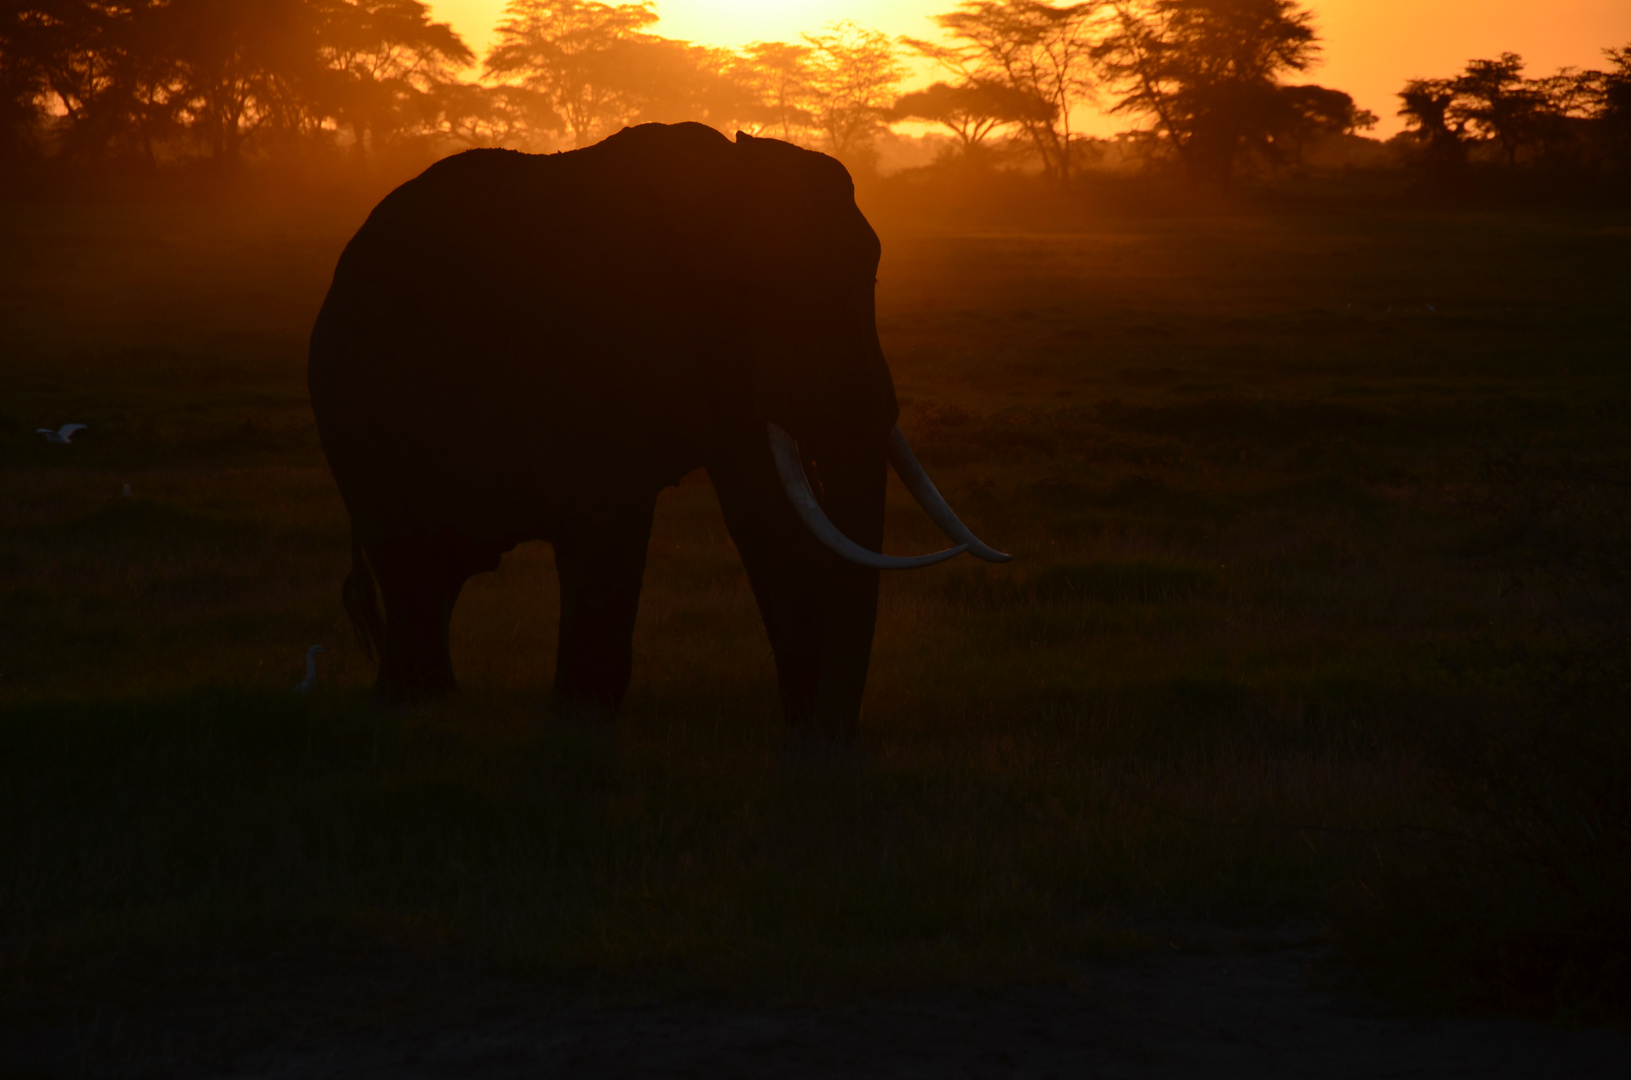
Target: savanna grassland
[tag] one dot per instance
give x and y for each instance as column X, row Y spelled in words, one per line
column 1317, row 613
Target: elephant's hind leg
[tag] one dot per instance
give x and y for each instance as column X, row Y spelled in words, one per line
column 601, row 564
column 419, row 582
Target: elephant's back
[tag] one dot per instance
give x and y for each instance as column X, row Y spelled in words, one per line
column 494, row 317
column 466, row 252
column 502, row 247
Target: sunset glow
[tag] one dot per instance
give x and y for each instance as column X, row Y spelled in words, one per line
column 1371, row 46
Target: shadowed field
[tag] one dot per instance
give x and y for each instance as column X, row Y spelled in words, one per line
column 1271, row 480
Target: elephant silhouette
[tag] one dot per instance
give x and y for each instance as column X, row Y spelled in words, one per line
column 530, row 347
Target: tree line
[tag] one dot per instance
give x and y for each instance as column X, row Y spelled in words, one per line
column 1492, row 113
column 1209, row 86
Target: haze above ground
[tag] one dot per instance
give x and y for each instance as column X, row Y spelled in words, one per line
column 1371, row 46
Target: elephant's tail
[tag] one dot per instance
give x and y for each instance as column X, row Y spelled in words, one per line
column 361, row 597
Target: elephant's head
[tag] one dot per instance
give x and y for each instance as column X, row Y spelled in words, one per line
column 819, row 372
column 776, row 229
column 811, row 262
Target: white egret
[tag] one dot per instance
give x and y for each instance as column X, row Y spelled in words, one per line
column 64, row 434
column 311, row 670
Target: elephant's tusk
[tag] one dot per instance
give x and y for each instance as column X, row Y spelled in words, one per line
column 791, row 470
column 917, row 481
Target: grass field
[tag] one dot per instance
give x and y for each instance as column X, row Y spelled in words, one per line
column 1303, row 509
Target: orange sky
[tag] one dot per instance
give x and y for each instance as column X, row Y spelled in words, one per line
column 1371, row 46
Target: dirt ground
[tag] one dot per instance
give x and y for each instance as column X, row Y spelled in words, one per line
column 1212, row 1003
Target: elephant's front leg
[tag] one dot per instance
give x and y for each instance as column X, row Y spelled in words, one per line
column 819, row 610
column 419, row 583
column 600, row 563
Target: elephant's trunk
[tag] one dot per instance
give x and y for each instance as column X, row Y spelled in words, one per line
column 791, row 470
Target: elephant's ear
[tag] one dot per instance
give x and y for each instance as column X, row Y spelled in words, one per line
column 809, row 261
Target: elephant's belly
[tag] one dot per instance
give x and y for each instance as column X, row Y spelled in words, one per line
column 504, row 490
column 498, row 438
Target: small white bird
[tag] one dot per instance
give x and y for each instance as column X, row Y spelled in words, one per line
column 311, row 670
column 64, row 434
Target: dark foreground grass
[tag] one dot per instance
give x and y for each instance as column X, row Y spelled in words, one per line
column 222, row 818
column 1255, row 657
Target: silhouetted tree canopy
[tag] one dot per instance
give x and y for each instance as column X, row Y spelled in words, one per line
column 1493, row 113
column 579, row 58
column 972, row 111
column 1614, row 105
column 93, row 81
column 106, row 80
column 1036, row 50
column 1425, row 105
column 1494, row 100
column 850, row 78
column 387, row 69
column 1311, row 113
column 99, row 85
column 23, row 84
column 779, row 81
column 1206, row 73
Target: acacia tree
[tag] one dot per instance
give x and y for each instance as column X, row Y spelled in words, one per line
column 479, row 116
column 114, row 78
column 22, row 89
column 23, row 84
column 1492, row 110
column 1206, row 73
column 85, row 60
column 1311, row 113
column 1572, row 115
column 1495, row 101
column 235, row 60
column 593, row 67
column 575, row 55
column 1038, row 50
column 850, row 78
column 667, row 81
column 1614, row 105
column 1540, row 119
column 972, row 111
column 122, row 76
column 1441, row 139
column 385, row 65
column 777, row 78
